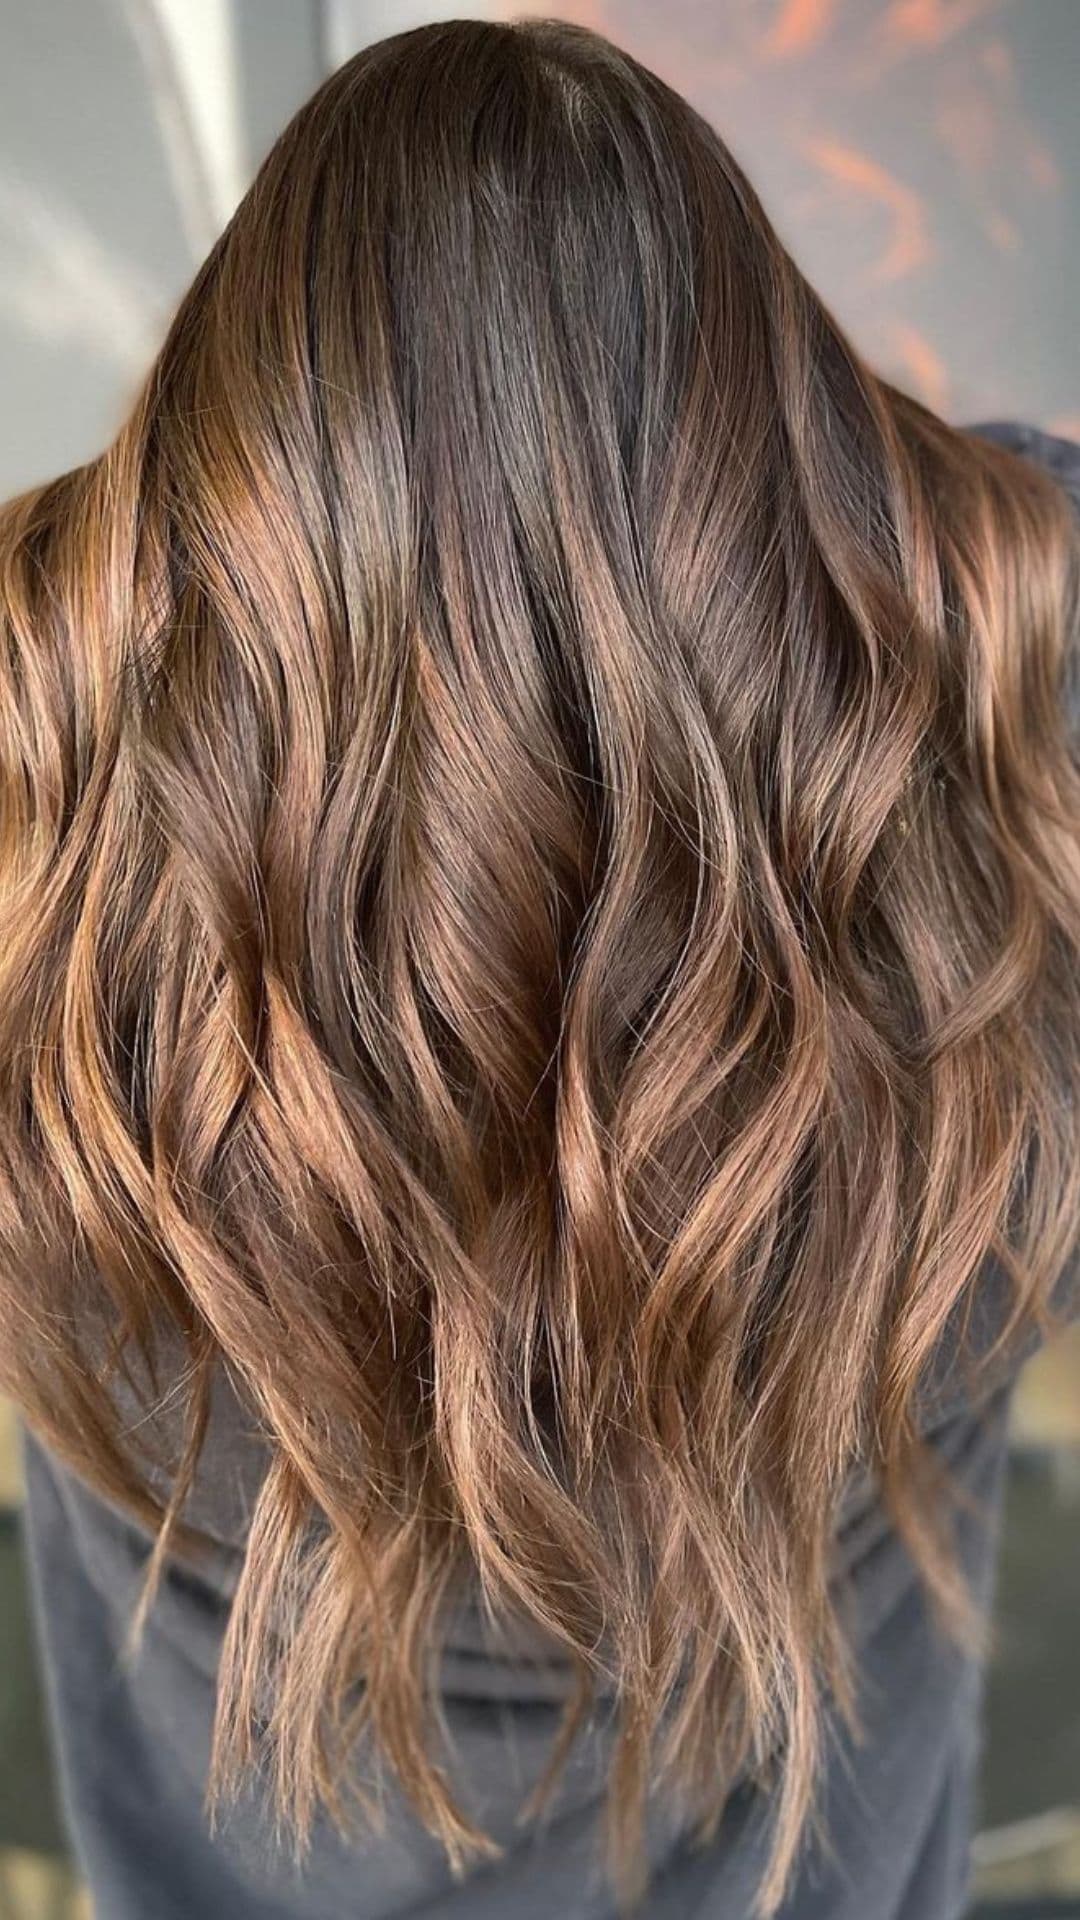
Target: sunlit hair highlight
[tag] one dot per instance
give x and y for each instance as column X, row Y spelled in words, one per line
column 539, row 920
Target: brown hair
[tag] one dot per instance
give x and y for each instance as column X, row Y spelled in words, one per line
column 539, row 918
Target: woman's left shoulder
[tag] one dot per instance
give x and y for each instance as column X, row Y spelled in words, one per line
column 1055, row 451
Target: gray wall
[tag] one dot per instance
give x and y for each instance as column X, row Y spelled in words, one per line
column 128, row 129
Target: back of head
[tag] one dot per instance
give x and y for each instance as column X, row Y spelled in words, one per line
column 539, row 906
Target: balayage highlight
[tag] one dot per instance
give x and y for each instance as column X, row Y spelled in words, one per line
column 539, row 914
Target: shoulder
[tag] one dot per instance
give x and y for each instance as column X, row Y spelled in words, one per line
column 1053, row 451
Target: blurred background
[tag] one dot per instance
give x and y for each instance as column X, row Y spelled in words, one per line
column 921, row 159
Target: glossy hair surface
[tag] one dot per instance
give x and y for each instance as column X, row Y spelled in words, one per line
column 539, row 920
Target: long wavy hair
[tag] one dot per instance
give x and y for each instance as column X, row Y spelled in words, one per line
column 539, row 924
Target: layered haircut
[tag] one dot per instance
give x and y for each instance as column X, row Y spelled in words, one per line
column 539, row 920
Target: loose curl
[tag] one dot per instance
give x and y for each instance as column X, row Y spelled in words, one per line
column 539, row 923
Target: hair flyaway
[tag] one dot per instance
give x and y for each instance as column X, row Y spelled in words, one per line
column 539, row 927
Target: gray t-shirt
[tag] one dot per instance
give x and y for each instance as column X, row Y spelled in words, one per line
column 133, row 1741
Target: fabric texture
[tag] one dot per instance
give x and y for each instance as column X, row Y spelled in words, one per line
column 133, row 1738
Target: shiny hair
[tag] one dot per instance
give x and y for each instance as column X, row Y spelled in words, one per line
column 539, row 924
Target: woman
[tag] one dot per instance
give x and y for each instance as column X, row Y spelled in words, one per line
column 539, row 1037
